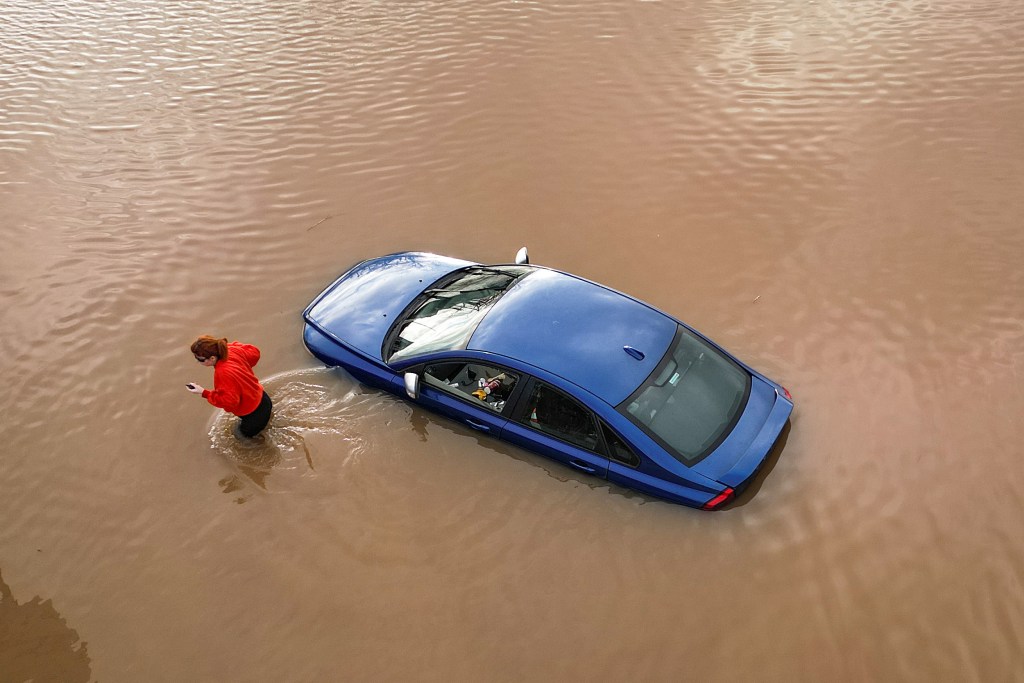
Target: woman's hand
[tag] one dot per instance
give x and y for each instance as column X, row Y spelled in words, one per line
column 194, row 388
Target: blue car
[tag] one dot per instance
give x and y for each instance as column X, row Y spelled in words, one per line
column 556, row 364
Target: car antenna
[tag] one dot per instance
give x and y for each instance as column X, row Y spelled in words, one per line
column 635, row 353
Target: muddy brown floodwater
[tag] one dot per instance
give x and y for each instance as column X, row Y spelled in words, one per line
column 834, row 191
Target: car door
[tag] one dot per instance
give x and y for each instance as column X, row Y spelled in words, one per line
column 549, row 421
column 474, row 393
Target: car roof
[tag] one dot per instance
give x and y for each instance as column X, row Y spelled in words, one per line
column 577, row 329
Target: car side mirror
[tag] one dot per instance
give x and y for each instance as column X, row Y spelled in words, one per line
column 522, row 257
column 412, row 385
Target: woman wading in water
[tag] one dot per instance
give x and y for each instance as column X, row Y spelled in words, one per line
column 235, row 387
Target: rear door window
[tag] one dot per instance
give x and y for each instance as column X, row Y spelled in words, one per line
column 617, row 448
column 557, row 415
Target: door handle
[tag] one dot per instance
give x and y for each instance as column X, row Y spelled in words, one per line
column 580, row 465
column 477, row 426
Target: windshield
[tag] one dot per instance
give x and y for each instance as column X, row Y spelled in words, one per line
column 692, row 398
column 444, row 317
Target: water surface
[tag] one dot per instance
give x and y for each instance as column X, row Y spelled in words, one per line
column 831, row 191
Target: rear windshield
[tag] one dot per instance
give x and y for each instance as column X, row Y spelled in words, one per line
column 692, row 399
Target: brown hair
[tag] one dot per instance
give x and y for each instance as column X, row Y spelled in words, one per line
column 207, row 346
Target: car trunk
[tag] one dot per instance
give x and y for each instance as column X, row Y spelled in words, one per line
column 738, row 457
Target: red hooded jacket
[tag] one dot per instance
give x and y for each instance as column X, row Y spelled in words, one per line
column 235, row 387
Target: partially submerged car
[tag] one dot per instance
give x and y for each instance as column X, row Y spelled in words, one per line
column 556, row 364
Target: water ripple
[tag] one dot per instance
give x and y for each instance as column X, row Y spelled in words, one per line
column 831, row 190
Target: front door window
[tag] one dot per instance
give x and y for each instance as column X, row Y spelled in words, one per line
column 483, row 385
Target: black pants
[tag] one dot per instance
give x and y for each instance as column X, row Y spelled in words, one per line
column 253, row 423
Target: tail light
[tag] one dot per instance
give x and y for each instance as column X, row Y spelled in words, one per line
column 719, row 500
column 785, row 392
